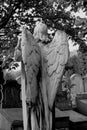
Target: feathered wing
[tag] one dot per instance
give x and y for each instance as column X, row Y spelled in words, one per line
column 55, row 56
column 30, row 69
column 31, row 60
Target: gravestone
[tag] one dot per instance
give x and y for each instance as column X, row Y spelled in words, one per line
column 76, row 86
column 85, row 84
column 11, row 95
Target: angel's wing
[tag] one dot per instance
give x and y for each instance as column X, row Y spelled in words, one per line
column 55, row 56
column 29, row 53
column 31, row 61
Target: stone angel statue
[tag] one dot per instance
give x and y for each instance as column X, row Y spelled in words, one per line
column 42, row 69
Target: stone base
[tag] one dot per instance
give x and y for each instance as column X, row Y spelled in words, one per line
column 10, row 119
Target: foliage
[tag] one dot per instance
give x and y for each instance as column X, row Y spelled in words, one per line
column 77, row 64
column 14, row 13
column 74, row 65
column 83, row 62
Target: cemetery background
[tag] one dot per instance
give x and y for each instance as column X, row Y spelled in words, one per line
column 74, row 26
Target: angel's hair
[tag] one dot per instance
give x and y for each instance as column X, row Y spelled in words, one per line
column 41, row 31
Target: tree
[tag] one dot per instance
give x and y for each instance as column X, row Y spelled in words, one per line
column 14, row 13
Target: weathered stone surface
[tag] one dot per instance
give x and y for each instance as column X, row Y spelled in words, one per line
column 42, row 70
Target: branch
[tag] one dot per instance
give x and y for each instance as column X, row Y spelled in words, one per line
column 9, row 15
column 59, row 14
column 73, row 32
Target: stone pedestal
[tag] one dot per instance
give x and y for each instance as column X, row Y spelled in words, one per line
column 11, row 95
column 11, row 119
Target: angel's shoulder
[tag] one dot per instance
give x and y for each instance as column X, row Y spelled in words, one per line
column 60, row 33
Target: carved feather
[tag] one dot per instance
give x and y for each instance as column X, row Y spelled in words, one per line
column 55, row 57
column 31, row 59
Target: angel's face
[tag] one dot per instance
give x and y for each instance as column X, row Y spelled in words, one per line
column 41, row 32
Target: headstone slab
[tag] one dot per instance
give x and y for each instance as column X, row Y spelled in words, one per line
column 11, row 95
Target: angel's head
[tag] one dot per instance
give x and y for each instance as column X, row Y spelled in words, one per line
column 41, row 32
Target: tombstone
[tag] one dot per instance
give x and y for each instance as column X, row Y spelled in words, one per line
column 85, row 84
column 11, row 95
column 1, row 83
column 77, row 86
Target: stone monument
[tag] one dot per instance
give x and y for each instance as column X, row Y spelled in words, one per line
column 77, row 87
column 42, row 69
